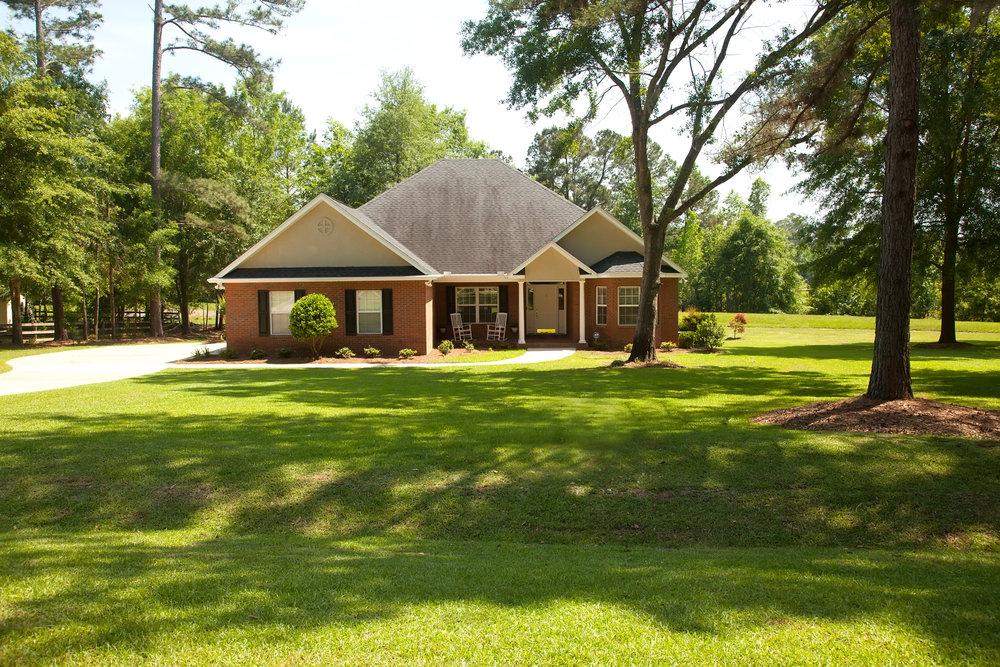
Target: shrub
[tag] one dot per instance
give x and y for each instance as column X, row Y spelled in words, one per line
column 446, row 346
column 600, row 346
column 312, row 319
column 667, row 345
column 691, row 319
column 710, row 333
column 344, row 353
column 407, row 353
column 284, row 352
column 229, row 353
column 372, row 352
column 685, row 339
column 738, row 324
column 202, row 353
column 258, row 354
column 469, row 346
column 628, row 347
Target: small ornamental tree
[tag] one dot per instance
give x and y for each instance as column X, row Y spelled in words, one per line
column 312, row 319
column 738, row 324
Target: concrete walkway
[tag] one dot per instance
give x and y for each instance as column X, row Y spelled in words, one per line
column 57, row 370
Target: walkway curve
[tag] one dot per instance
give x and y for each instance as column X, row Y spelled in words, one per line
column 91, row 365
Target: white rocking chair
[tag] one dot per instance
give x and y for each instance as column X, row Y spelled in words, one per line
column 497, row 330
column 460, row 331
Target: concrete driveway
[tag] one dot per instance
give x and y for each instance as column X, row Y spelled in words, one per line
column 56, row 370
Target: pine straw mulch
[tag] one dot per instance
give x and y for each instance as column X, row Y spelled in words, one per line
column 917, row 416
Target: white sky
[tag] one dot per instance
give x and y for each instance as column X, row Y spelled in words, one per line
column 332, row 54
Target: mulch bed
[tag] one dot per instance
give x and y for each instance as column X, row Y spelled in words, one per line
column 462, row 355
column 917, row 416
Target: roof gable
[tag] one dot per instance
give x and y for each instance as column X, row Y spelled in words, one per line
column 326, row 233
column 598, row 236
column 472, row 216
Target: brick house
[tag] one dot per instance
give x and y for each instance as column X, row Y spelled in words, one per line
column 475, row 237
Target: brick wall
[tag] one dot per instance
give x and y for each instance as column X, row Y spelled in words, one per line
column 410, row 300
column 616, row 336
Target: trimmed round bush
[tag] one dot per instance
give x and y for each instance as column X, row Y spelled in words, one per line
column 311, row 320
column 709, row 333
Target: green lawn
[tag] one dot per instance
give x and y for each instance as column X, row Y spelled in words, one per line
column 781, row 320
column 564, row 513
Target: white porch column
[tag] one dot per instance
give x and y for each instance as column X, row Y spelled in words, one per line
column 521, row 323
column 583, row 317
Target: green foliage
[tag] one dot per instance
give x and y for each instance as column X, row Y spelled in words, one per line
column 691, row 319
column 445, row 347
column 202, row 353
column 312, row 319
column 627, row 348
column 229, row 354
column 372, row 352
column 600, row 346
column 667, row 346
column 709, row 334
column 750, row 268
column 470, row 346
column 407, row 353
column 258, row 354
column 285, row 352
column 344, row 353
column 685, row 339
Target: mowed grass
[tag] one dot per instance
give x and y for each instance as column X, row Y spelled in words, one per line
column 564, row 513
column 783, row 321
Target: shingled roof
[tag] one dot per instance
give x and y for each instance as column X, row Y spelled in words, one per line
column 471, row 216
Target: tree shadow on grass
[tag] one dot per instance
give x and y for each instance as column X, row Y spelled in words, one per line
column 132, row 597
column 605, row 456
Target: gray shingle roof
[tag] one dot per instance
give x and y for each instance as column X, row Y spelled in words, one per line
column 471, row 216
column 625, row 262
column 325, row 272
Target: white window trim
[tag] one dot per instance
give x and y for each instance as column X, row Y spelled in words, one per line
column 478, row 304
column 359, row 312
column 598, row 305
column 636, row 306
column 272, row 313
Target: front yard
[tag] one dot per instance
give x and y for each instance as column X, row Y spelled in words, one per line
column 564, row 513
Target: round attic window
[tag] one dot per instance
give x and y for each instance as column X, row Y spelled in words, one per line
column 324, row 226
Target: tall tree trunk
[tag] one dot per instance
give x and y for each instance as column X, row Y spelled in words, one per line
column 86, row 324
column 218, row 310
column 890, row 376
column 58, row 315
column 39, row 40
column 948, row 267
column 111, row 296
column 183, row 267
column 643, row 347
column 16, row 331
column 155, row 306
column 97, row 311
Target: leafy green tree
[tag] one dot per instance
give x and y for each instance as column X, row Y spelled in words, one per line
column 193, row 26
column 958, row 179
column 47, row 203
column 759, row 193
column 63, row 32
column 690, row 254
column 312, row 319
column 749, row 269
column 647, row 51
column 401, row 133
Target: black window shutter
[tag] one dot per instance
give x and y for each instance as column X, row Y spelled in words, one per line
column 299, row 293
column 387, row 312
column 351, row 305
column 449, row 300
column 503, row 299
column 264, row 312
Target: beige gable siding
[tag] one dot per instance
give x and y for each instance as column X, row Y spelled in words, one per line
column 597, row 237
column 551, row 265
column 302, row 245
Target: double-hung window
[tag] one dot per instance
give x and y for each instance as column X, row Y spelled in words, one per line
column 281, row 308
column 602, row 305
column 369, row 311
column 477, row 304
column 628, row 306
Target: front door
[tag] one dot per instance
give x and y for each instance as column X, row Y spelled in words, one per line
column 546, row 309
